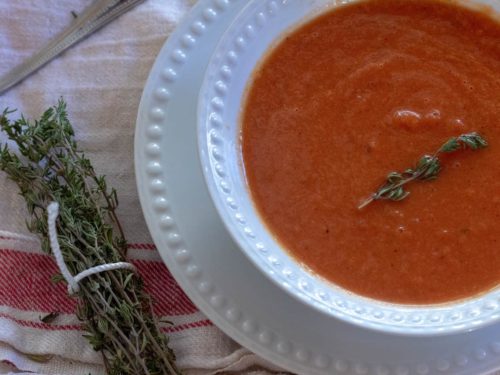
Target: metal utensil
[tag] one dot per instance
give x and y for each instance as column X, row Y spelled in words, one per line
column 98, row 14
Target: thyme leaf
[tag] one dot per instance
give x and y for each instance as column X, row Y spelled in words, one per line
column 49, row 318
column 427, row 169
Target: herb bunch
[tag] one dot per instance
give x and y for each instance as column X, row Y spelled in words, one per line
column 115, row 311
column 427, row 169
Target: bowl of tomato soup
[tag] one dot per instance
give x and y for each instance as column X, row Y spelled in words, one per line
column 316, row 120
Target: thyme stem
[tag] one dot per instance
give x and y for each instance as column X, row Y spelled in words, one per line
column 427, row 169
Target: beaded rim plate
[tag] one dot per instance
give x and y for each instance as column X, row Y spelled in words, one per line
column 215, row 274
column 241, row 47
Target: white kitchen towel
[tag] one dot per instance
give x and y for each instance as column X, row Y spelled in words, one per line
column 101, row 79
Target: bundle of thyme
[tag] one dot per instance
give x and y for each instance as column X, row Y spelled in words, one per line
column 115, row 311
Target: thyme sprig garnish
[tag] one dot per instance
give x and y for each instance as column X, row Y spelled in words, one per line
column 427, row 169
column 115, row 311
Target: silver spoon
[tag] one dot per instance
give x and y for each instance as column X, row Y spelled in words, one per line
column 98, row 14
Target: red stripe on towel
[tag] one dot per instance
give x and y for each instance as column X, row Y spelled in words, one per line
column 25, row 284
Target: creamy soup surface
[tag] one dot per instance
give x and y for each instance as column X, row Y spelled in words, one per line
column 354, row 94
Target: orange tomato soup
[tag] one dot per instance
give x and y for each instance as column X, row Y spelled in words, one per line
column 358, row 92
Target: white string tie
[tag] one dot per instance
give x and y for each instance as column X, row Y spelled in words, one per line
column 73, row 281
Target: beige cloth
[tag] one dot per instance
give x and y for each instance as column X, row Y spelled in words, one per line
column 101, row 79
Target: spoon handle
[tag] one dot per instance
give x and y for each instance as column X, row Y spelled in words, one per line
column 97, row 15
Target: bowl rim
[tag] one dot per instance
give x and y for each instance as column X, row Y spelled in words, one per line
column 388, row 326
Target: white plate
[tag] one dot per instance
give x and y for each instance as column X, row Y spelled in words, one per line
column 214, row 273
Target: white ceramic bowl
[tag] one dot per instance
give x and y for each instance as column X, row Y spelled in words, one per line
column 260, row 24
